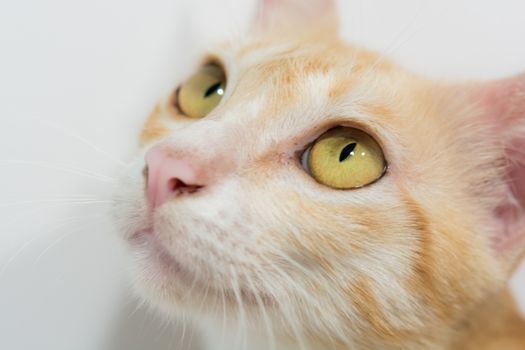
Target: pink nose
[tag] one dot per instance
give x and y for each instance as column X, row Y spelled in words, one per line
column 168, row 176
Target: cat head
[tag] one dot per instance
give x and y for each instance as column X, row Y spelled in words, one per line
column 316, row 190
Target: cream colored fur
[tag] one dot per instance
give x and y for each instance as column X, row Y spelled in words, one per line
column 267, row 258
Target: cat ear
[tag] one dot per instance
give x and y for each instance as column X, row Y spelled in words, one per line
column 310, row 17
column 503, row 104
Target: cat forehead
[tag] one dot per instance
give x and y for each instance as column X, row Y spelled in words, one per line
column 295, row 88
column 313, row 79
column 300, row 58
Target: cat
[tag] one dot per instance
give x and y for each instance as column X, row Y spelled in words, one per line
column 298, row 192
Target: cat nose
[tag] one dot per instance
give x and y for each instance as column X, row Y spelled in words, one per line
column 168, row 176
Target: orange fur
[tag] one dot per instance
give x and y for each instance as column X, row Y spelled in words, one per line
column 153, row 129
column 404, row 263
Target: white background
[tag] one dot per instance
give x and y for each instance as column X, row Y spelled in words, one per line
column 77, row 77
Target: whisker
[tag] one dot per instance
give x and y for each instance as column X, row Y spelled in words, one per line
column 397, row 44
column 22, row 215
column 181, row 343
column 62, row 237
column 405, row 31
column 223, row 298
column 57, row 200
column 19, row 251
column 16, row 254
column 262, row 308
column 83, row 140
column 60, row 167
column 241, row 312
column 189, row 292
column 289, row 279
column 165, row 325
column 192, row 333
column 203, row 299
column 139, row 306
column 288, row 318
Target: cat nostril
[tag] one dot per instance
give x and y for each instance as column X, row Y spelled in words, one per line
column 175, row 184
column 167, row 176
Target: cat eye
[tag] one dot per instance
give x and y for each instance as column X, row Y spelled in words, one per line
column 345, row 158
column 202, row 92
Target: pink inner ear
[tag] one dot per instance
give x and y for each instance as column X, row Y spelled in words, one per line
column 517, row 173
column 511, row 212
column 291, row 14
column 505, row 103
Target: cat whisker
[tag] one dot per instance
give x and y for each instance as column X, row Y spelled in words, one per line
column 183, row 335
column 289, row 318
column 74, row 135
column 16, row 254
column 62, row 237
column 408, row 32
column 223, row 301
column 138, row 306
column 23, row 247
column 289, row 279
column 192, row 334
column 262, row 309
column 406, row 29
column 83, row 140
column 21, row 215
column 60, row 167
column 166, row 324
column 314, row 309
column 57, row 200
column 241, row 318
column 190, row 290
column 394, row 46
column 203, row 299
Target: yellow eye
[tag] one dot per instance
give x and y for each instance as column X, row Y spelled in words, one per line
column 345, row 158
column 202, row 92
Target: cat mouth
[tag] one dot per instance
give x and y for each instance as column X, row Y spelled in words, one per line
column 147, row 241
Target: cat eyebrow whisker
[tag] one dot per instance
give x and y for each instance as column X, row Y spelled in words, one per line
column 398, row 41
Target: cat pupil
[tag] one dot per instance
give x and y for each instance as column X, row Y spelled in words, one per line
column 212, row 89
column 345, row 153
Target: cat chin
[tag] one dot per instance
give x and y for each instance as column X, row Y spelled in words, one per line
column 166, row 282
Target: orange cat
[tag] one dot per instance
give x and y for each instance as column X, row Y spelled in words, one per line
column 297, row 192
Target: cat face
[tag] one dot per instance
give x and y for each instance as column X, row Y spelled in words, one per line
column 234, row 208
